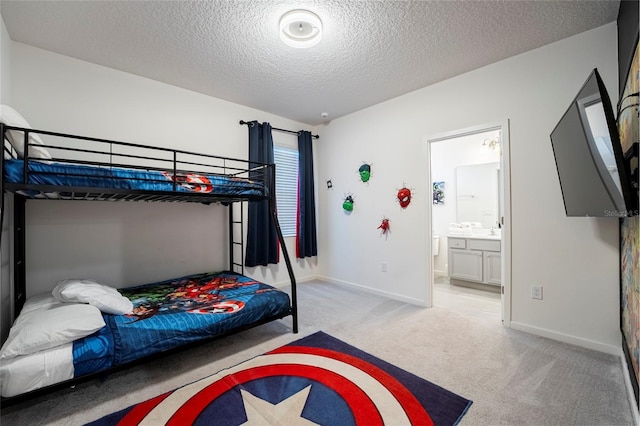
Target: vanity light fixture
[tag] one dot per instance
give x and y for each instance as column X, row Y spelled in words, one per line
column 491, row 144
column 300, row 28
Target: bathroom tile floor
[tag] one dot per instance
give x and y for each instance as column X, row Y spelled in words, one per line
column 482, row 304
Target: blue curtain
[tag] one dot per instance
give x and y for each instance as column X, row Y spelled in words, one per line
column 262, row 238
column 306, row 242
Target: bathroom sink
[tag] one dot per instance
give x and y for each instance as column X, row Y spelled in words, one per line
column 475, row 233
column 463, row 232
column 487, row 233
column 485, row 236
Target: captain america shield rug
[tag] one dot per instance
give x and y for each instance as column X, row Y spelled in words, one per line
column 315, row 380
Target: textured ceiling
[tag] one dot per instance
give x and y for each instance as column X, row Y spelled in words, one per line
column 371, row 51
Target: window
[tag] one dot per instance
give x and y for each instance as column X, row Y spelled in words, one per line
column 286, row 160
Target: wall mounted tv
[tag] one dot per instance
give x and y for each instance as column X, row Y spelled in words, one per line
column 594, row 177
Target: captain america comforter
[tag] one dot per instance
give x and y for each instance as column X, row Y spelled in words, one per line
column 74, row 175
column 166, row 315
column 175, row 312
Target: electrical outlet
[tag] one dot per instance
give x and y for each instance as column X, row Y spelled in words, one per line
column 536, row 292
column 384, row 266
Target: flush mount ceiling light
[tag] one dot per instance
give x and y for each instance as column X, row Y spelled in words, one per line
column 300, row 28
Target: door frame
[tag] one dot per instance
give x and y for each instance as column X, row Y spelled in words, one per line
column 505, row 166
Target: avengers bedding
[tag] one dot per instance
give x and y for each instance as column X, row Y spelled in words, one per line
column 62, row 174
column 166, row 315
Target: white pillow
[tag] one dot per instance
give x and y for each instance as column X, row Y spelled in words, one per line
column 39, row 329
column 38, row 302
column 11, row 117
column 103, row 297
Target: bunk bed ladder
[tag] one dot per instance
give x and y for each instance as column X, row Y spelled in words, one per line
column 236, row 239
column 285, row 254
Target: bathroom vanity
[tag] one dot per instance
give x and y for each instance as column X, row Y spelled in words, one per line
column 474, row 259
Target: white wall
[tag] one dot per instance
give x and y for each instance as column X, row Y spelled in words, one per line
column 574, row 259
column 129, row 243
column 5, row 63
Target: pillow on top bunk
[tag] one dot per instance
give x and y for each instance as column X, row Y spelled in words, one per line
column 103, row 297
column 11, row 117
column 47, row 323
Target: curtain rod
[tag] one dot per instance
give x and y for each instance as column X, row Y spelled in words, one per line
column 250, row 123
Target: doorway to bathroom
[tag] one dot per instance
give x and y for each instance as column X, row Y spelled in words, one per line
column 470, row 222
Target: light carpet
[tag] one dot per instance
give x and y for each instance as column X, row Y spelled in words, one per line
column 513, row 378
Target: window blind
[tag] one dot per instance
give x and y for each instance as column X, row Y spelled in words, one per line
column 286, row 160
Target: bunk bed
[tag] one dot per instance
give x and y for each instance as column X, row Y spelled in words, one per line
column 138, row 322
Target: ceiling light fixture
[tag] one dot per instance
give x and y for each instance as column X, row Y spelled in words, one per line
column 300, row 28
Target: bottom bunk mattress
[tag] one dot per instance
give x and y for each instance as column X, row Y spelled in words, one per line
column 165, row 315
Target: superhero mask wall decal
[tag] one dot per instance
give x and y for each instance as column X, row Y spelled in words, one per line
column 365, row 172
column 347, row 204
column 404, row 197
column 384, row 225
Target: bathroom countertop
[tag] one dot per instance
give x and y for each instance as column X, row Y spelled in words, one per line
column 476, row 237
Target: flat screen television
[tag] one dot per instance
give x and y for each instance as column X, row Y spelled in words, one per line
column 594, row 177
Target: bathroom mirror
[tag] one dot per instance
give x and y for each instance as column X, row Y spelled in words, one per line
column 477, row 194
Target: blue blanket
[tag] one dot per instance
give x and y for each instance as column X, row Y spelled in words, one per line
column 59, row 174
column 175, row 312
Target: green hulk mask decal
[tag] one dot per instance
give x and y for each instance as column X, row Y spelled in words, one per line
column 347, row 204
column 365, row 172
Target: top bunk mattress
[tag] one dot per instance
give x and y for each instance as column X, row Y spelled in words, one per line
column 83, row 178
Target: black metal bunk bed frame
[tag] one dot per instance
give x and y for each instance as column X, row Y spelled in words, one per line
column 110, row 149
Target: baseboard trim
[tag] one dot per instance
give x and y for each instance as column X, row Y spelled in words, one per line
column 388, row 294
column 566, row 338
column 299, row 280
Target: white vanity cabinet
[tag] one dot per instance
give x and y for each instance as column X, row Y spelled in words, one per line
column 474, row 259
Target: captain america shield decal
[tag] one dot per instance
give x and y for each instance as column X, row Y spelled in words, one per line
column 315, row 380
column 339, row 385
